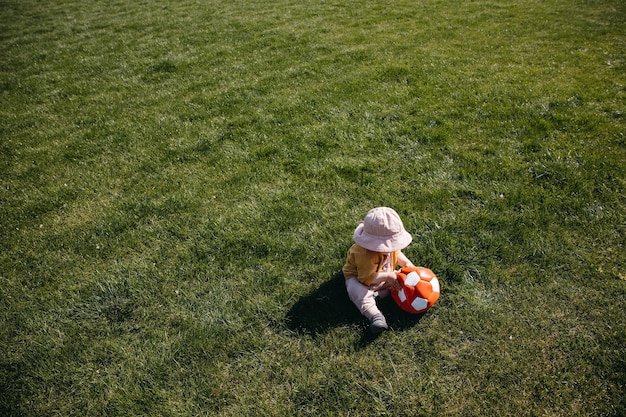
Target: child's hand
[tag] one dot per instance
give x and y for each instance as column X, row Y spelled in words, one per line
column 386, row 280
column 394, row 282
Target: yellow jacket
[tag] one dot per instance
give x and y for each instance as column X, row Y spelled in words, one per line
column 365, row 264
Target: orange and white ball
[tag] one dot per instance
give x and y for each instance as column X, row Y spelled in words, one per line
column 420, row 289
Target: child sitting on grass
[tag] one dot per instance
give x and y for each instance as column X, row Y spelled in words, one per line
column 371, row 262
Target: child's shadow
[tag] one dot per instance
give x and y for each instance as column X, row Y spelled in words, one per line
column 329, row 306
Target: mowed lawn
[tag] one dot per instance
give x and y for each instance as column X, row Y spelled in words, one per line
column 180, row 180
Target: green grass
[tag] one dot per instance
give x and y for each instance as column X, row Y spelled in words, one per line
column 179, row 183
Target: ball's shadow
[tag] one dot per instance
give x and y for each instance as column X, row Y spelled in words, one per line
column 328, row 307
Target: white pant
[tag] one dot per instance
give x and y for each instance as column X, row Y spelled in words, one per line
column 363, row 297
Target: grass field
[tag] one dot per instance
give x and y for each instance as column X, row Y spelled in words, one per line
column 180, row 180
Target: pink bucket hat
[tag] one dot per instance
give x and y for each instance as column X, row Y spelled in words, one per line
column 382, row 231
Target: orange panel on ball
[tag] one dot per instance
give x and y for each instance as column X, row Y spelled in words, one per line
column 420, row 296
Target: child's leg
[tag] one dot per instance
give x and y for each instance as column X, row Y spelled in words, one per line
column 362, row 297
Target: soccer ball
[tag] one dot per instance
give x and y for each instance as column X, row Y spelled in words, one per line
column 420, row 289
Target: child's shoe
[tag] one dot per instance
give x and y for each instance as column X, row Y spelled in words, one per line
column 378, row 324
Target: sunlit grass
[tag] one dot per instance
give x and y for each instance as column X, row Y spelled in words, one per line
column 179, row 184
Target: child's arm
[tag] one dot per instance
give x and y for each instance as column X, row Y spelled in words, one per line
column 384, row 279
column 403, row 260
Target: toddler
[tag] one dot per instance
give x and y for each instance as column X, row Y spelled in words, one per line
column 371, row 262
